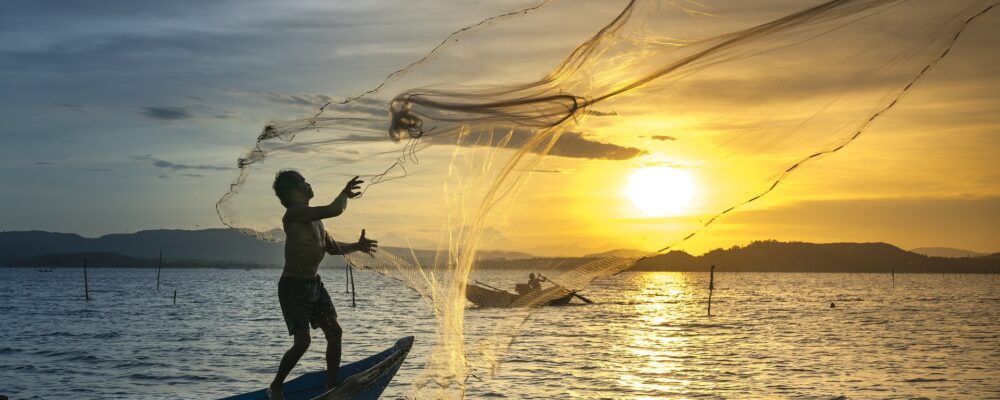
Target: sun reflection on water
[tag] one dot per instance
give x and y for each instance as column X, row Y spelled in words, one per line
column 652, row 336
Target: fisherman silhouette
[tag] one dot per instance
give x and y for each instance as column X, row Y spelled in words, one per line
column 304, row 300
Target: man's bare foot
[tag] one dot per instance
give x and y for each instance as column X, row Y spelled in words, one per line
column 275, row 392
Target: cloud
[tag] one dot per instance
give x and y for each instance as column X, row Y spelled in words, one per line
column 598, row 113
column 177, row 167
column 303, row 100
column 374, row 107
column 369, row 106
column 575, row 145
column 167, row 113
column 225, row 115
column 663, row 138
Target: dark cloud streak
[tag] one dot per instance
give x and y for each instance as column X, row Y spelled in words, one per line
column 598, row 113
column 159, row 163
column 167, row 113
column 302, row 100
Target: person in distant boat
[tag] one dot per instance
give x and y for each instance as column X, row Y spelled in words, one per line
column 535, row 282
column 303, row 298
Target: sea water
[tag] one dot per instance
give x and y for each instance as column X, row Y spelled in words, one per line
column 771, row 335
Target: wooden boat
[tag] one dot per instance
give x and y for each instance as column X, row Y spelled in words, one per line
column 364, row 379
column 484, row 297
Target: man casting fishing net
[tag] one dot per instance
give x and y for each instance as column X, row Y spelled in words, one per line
column 303, row 298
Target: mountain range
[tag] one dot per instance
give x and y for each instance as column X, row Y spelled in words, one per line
column 205, row 247
column 224, row 248
column 774, row 256
column 947, row 252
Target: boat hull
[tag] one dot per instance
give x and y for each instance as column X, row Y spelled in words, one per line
column 490, row 298
column 362, row 380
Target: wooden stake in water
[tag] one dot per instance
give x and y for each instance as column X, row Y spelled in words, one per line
column 175, row 296
column 347, row 277
column 86, row 285
column 711, row 287
column 159, row 265
column 893, row 276
column 353, row 292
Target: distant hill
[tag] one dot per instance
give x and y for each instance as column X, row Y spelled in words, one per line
column 503, row 255
column 206, row 244
column 773, row 256
column 204, row 247
column 115, row 260
column 946, row 252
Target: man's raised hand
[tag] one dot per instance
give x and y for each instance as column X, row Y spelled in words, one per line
column 353, row 188
column 366, row 245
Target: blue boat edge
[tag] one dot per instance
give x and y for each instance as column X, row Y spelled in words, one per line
column 311, row 385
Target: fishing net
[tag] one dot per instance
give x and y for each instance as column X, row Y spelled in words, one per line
column 522, row 130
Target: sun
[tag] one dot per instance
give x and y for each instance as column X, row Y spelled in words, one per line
column 660, row 191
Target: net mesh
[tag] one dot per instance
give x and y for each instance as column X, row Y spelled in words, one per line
column 462, row 146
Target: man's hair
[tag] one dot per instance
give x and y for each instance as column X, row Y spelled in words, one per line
column 284, row 183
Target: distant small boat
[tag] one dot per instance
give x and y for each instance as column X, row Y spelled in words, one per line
column 484, row 296
column 44, row 270
column 361, row 380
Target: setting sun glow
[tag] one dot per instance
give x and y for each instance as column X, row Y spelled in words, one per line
column 660, row 191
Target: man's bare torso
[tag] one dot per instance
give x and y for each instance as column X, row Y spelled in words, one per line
column 305, row 246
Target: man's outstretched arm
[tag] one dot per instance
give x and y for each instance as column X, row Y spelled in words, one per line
column 342, row 248
column 363, row 244
column 335, row 208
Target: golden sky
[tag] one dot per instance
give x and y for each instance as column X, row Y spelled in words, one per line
column 137, row 145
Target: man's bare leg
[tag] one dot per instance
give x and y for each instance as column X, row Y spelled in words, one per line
column 288, row 362
column 333, row 337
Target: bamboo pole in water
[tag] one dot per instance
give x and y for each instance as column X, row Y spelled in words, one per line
column 86, row 285
column 347, row 276
column 353, row 292
column 159, row 265
column 711, row 287
column 175, row 296
column 893, row 276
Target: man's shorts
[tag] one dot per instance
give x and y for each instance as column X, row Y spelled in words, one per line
column 304, row 301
